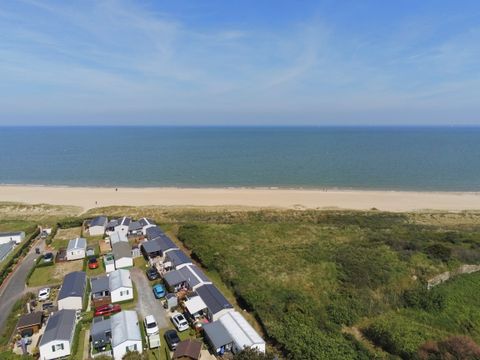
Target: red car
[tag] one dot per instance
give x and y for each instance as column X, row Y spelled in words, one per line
column 92, row 263
column 107, row 310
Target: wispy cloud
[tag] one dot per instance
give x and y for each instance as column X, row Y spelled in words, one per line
column 99, row 59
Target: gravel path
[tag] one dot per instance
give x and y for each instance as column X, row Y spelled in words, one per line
column 146, row 302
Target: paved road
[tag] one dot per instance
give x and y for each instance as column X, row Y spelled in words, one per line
column 147, row 304
column 15, row 287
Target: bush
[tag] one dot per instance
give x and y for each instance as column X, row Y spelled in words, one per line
column 439, row 252
column 455, row 347
column 421, row 298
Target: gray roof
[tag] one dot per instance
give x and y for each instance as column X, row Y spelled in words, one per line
column 135, row 225
column 112, row 223
column 73, row 285
column 159, row 244
column 153, row 232
column 213, row 298
column 34, row 318
column 78, row 243
column 121, row 249
column 5, row 249
column 125, row 327
column 124, row 221
column 173, row 278
column 99, row 284
column 178, row 257
column 119, row 278
column 12, row 233
column 99, row 328
column 60, row 326
column 99, row 221
column 190, row 274
column 146, row 221
column 217, row 334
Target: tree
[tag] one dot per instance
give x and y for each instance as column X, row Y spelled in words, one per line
column 452, row 348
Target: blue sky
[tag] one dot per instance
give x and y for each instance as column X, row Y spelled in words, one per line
column 244, row 62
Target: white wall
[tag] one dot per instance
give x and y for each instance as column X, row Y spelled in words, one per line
column 6, row 239
column 96, row 230
column 120, row 350
column 72, row 303
column 75, row 254
column 121, row 294
column 122, row 229
column 123, row 262
column 219, row 314
column 46, row 352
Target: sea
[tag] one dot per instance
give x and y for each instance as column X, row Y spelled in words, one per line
column 383, row 158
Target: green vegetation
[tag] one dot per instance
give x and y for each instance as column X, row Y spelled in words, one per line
column 17, row 310
column 309, row 276
column 331, row 284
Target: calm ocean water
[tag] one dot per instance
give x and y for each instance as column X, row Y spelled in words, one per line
column 367, row 158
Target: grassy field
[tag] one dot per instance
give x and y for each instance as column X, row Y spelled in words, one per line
column 309, row 276
column 63, row 236
column 54, row 274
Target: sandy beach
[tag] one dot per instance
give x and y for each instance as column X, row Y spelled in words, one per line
column 90, row 197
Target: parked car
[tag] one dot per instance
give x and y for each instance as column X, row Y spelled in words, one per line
column 107, row 310
column 152, row 274
column 159, row 291
column 151, row 327
column 47, row 306
column 93, row 263
column 180, row 322
column 44, row 294
column 48, row 257
column 172, row 339
column 37, row 250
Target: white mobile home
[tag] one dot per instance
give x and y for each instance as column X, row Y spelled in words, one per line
column 76, row 249
column 117, row 236
column 72, row 292
column 125, row 334
column 56, row 341
column 120, row 284
column 241, row 332
column 17, row 237
column 97, row 226
column 122, row 253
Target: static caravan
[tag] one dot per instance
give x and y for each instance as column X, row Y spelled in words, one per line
column 217, row 304
column 57, row 340
column 72, row 292
column 122, row 253
column 126, row 334
column 120, row 284
column 241, row 332
column 17, row 237
column 76, row 249
column 100, row 289
column 98, row 226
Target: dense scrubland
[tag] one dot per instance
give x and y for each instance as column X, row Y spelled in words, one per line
column 340, row 284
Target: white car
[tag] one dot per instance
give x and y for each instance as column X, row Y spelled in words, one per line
column 151, row 326
column 44, row 294
column 180, row 322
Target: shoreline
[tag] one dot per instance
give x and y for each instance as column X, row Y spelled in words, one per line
column 89, row 197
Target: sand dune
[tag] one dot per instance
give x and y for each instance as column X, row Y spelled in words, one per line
column 90, row 197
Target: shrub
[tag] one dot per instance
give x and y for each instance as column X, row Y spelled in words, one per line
column 421, row 298
column 455, row 347
column 439, row 252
